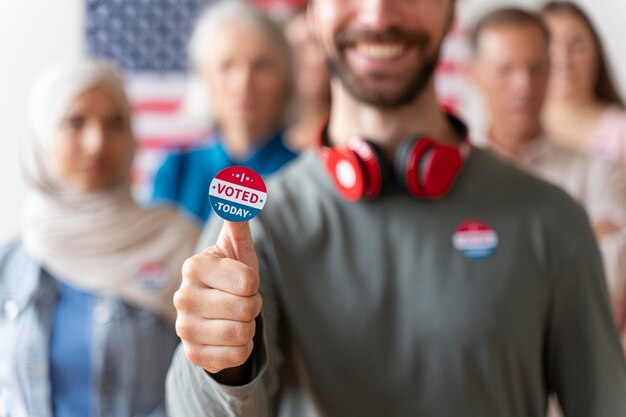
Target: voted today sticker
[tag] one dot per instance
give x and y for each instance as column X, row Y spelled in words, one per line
column 237, row 194
column 475, row 239
column 152, row 276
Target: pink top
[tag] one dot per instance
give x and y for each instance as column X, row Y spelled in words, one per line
column 608, row 139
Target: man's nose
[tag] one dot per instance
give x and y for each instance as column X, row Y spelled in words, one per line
column 379, row 15
column 523, row 82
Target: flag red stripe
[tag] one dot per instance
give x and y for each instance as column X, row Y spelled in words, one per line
column 156, row 106
column 448, row 66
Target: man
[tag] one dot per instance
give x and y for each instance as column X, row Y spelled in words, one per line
column 472, row 303
column 510, row 66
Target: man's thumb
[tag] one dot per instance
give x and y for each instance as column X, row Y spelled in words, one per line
column 235, row 239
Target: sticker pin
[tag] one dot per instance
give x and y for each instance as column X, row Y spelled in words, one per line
column 475, row 239
column 237, row 194
column 152, row 276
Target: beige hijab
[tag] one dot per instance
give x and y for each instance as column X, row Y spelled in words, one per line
column 101, row 242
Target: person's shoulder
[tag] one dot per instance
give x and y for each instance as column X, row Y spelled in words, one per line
column 17, row 267
column 593, row 169
column 195, row 150
column 173, row 223
column 284, row 146
column 616, row 112
column 507, row 185
column 301, row 175
column 612, row 124
column 547, row 212
column 276, row 155
column 296, row 194
column 577, row 162
column 189, row 164
column 195, row 153
column 10, row 250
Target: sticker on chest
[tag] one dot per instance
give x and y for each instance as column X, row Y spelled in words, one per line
column 151, row 276
column 475, row 239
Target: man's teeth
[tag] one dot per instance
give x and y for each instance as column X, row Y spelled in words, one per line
column 380, row 51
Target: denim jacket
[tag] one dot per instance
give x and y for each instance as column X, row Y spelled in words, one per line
column 131, row 348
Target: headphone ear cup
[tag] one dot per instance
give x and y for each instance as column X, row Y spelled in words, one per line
column 426, row 168
column 440, row 167
column 374, row 164
column 347, row 172
column 408, row 164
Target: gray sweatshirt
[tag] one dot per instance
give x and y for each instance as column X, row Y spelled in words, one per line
column 479, row 304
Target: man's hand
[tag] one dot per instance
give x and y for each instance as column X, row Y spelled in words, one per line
column 219, row 301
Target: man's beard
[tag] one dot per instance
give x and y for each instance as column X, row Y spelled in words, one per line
column 358, row 87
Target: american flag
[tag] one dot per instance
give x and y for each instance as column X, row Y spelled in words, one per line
column 452, row 83
column 147, row 40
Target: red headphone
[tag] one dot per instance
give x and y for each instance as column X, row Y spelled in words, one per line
column 424, row 167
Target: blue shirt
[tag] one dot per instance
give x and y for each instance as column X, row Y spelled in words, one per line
column 128, row 349
column 69, row 352
column 185, row 177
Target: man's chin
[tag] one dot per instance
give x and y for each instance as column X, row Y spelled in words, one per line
column 387, row 93
column 384, row 89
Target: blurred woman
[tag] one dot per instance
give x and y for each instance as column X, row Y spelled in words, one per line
column 86, row 311
column 312, row 83
column 244, row 62
column 584, row 110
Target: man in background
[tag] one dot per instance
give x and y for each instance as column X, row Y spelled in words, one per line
column 510, row 67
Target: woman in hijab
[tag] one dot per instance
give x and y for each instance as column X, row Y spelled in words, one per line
column 86, row 311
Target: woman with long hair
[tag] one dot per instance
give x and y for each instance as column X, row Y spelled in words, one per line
column 584, row 110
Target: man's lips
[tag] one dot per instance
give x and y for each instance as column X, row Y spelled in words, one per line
column 380, row 50
column 380, row 45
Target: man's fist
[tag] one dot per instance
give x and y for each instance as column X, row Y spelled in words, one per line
column 218, row 301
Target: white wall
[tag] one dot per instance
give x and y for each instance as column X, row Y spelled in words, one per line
column 33, row 33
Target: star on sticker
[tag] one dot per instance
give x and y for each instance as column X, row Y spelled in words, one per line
column 214, row 187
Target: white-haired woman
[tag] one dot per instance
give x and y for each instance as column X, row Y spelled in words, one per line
column 244, row 62
column 86, row 311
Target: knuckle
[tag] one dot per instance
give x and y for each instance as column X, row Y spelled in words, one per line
column 248, row 310
column 246, row 332
column 189, row 268
column 248, row 282
column 238, row 355
column 181, row 300
column 185, row 330
column 238, row 334
column 259, row 305
column 194, row 354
